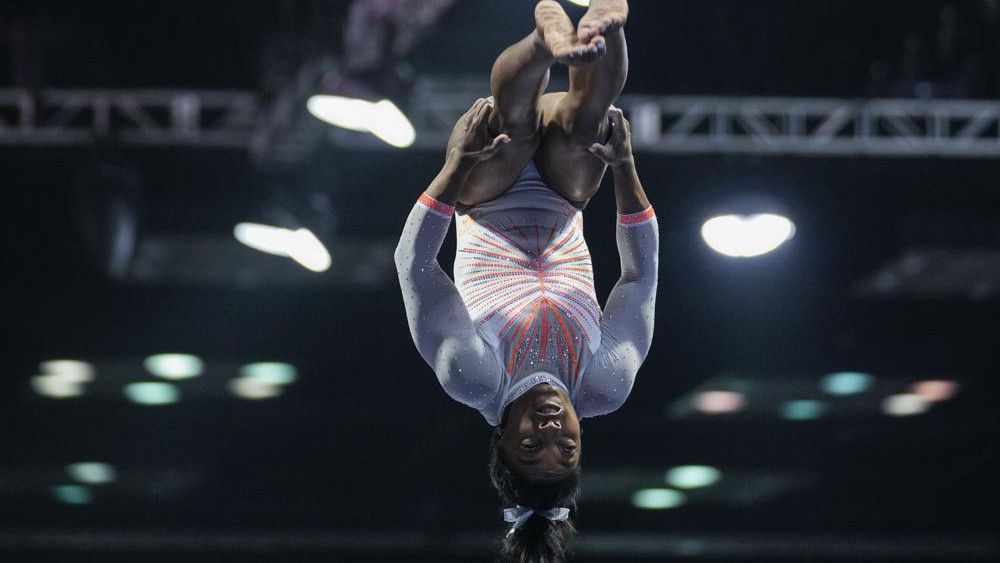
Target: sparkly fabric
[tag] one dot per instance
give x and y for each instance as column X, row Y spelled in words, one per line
column 525, row 283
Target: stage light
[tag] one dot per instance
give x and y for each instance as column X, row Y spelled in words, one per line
column 55, row 386
column 152, row 393
column 935, row 390
column 719, row 402
column 846, row 383
column 904, row 404
column 253, row 389
column 803, row 409
column 72, row 371
column 91, row 472
column 300, row 245
column 72, row 494
column 583, row 3
column 743, row 236
column 693, row 476
column 382, row 119
column 270, row 373
column 174, row 366
column 658, row 499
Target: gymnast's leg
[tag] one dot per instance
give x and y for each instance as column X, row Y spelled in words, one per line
column 520, row 75
column 573, row 121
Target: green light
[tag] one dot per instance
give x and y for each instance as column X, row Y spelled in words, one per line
column 91, row 472
column 72, row 494
column 846, row 382
column 657, row 499
column 692, row 476
column 270, row 373
column 152, row 393
column 174, row 366
column 803, row 410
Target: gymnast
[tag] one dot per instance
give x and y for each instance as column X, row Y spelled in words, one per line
column 519, row 335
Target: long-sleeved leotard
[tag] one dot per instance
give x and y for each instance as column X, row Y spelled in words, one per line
column 524, row 310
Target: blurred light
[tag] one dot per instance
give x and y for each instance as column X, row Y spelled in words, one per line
column 72, row 371
column 935, row 390
column 846, row 383
column 300, row 245
column 693, row 476
column 56, row 386
column 72, row 494
column 91, row 472
column 580, row 2
column 658, row 499
column 253, row 389
column 904, row 404
column 719, row 402
column 803, row 409
column 152, row 393
column 271, row 373
column 382, row 119
column 742, row 236
column 174, row 366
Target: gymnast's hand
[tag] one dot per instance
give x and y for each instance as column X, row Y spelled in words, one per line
column 470, row 139
column 618, row 150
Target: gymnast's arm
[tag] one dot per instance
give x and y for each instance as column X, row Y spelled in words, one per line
column 627, row 322
column 439, row 322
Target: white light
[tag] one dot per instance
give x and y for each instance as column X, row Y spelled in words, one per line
column 300, row 245
column 271, row 373
column 719, row 402
column 743, row 236
column 692, row 476
column 904, row 404
column 935, row 390
column 580, row 2
column 265, row 238
column 152, row 393
column 174, row 366
column 382, row 119
column 72, row 371
column 56, row 386
column 253, row 388
column 658, row 499
column 91, row 472
column 846, row 382
column 307, row 250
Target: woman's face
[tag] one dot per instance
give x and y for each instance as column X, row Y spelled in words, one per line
column 541, row 439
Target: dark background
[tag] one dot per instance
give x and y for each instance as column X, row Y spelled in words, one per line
column 365, row 447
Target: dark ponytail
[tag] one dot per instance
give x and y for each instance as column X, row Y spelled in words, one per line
column 538, row 540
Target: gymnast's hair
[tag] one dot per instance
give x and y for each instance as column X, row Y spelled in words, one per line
column 539, row 540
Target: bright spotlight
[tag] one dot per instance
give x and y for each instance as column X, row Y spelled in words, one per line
column 253, row 389
column 91, row 472
column 719, row 402
column 803, row 409
column 72, row 494
column 55, row 386
column 300, row 245
column 583, row 3
column 904, row 404
column 152, row 393
column 743, row 236
column 846, row 382
column 693, row 476
column 270, row 373
column 382, row 119
column 174, row 366
column 658, row 499
column 935, row 390
column 72, row 371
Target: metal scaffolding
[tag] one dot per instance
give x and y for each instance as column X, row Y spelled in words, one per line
column 670, row 125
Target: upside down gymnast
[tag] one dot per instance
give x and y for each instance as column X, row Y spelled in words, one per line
column 519, row 335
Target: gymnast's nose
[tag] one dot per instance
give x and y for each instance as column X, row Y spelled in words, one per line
column 550, row 423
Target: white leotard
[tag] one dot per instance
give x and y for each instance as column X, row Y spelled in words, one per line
column 524, row 311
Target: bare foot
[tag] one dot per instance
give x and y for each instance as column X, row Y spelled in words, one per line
column 602, row 18
column 556, row 32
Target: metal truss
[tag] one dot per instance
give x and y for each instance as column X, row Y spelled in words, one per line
column 671, row 125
